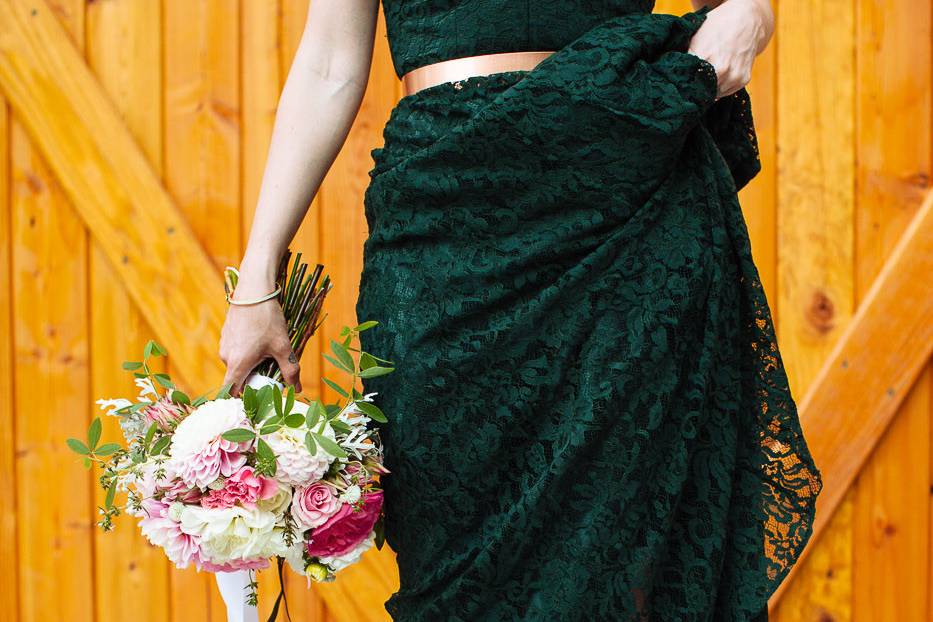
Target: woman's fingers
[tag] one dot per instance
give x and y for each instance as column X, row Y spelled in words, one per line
column 237, row 370
column 288, row 363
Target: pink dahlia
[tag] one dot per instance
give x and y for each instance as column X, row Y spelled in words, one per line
column 199, row 454
column 243, row 487
column 347, row 528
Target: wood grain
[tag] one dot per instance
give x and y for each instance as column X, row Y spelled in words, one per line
column 124, row 52
column 108, row 180
column 816, row 86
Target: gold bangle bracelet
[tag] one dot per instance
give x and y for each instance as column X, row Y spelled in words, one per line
column 252, row 302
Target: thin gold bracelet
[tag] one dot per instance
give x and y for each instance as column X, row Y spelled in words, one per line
column 246, row 302
column 252, row 302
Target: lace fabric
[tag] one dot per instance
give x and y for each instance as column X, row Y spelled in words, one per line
column 590, row 417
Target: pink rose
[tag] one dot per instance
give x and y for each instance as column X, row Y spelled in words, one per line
column 243, row 487
column 346, row 528
column 313, row 505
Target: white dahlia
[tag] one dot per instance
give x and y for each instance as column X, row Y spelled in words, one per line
column 198, row 453
column 295, row 466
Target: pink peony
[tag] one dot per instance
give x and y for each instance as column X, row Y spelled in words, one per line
column 165, row 413
column 243, row 487
column 313, row 505
column 162, row 531
column 346, row 528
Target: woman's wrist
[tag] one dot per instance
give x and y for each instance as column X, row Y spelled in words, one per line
column 762, row 20
column 257, row 274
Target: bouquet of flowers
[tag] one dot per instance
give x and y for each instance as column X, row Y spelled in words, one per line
column 226, row 483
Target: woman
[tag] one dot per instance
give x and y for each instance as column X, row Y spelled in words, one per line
column 591, row 420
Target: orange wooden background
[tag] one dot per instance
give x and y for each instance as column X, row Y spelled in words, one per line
column 842, row 102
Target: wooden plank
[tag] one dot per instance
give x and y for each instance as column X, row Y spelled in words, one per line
column 49, row 290
column 111, row 184
column 891, row 555
column 8, row 559
column 124, row 51
column 868, row 374
column 202, row 171
column 816, row 85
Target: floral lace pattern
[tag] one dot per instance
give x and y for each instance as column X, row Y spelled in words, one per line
column 590, row 418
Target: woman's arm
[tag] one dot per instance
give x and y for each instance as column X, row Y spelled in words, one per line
column 732, row 35
column 318, row 104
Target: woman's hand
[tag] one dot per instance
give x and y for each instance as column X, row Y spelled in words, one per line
column 730, row 38
column 252, row 333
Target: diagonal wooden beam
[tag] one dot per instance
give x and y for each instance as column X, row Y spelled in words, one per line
column 111, row 184
column 870, row 370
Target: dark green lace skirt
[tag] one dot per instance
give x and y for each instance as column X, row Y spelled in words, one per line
column 590, row 418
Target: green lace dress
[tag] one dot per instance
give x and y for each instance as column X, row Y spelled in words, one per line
column 590, row 418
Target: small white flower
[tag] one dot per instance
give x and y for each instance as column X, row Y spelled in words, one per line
column 146, row 388
column 351, row 494
column 114, row 405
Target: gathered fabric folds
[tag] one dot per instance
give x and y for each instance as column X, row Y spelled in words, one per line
column 590, row 418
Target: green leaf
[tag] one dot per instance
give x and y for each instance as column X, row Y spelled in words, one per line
column 295, row 420
column 93, row 433
column 340, row 351
column 200, row 400
column 161, row 445
column 372, row 411
column 340, row 426
column 277, row 401
column 378, row 359
column 336, row 387
column 150, row 433
column 78, row 447
column 138, row 406
column 106, row 450
column 315, row 412
column 310, row 444
column 224, row 391
column 180, row 398
column 337, row 363
column 332, row 410
column 238, row 435
column 367, row 360
column 365, row 325
column 269, row 429
column 329, row 446
column 111, row 492
column 131, row 365
column 289, row 401
column 265, row 454
column 372, row 372
column 153, row 349
column 164, row 380
column 249, row 399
